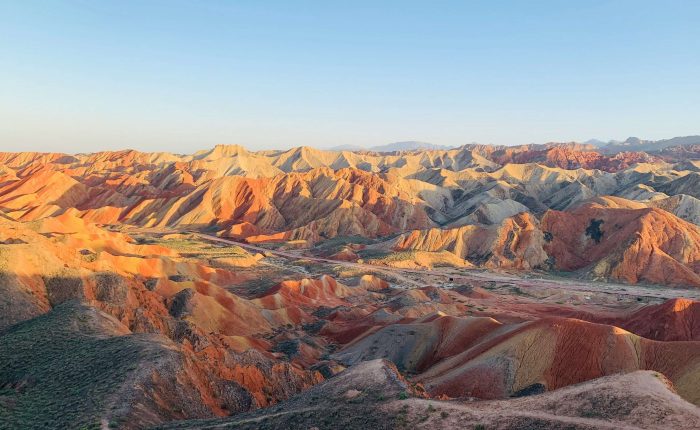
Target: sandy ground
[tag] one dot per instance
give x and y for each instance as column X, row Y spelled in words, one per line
column 452, row 276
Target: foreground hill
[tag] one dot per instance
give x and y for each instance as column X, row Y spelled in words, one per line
column 373, row 395
column 149, row 304
column 96, row 364
column 484, row 358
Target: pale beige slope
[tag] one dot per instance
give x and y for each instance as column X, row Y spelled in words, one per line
column 516, row 242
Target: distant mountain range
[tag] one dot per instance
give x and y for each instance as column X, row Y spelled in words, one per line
column 596, row 142
column 637, row 144
column 409, row 145
column 607, row 147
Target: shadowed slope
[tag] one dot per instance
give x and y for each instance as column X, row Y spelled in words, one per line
column 373, row 395
column 77, row 366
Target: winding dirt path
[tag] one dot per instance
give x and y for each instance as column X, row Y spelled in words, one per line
column 395, row 273
column 406, row 276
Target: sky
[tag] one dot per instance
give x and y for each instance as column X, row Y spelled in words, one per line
column 85, row 75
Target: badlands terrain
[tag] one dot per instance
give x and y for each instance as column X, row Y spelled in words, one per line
column 489, row 287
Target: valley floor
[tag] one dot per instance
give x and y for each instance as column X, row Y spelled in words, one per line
column 447, row 277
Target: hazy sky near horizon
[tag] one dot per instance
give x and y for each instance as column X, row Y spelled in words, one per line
column 83, row 75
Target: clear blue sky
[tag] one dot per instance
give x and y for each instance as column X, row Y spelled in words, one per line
column 84, row 75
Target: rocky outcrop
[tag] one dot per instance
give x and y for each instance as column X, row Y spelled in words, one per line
column 631, row 245
column 515, row 243
column 556, row 353
column 675, row 320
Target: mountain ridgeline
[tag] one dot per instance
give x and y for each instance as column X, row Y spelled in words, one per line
column 491, row 206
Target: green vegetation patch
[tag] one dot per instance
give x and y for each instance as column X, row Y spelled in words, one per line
column 58, row 370
column 192, row 247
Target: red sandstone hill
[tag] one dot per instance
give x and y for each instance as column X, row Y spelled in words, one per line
column 514, row 243
column 559, row 352
column 674, row 320
column 480, row 357
column 574, row 157
column 632, row 245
